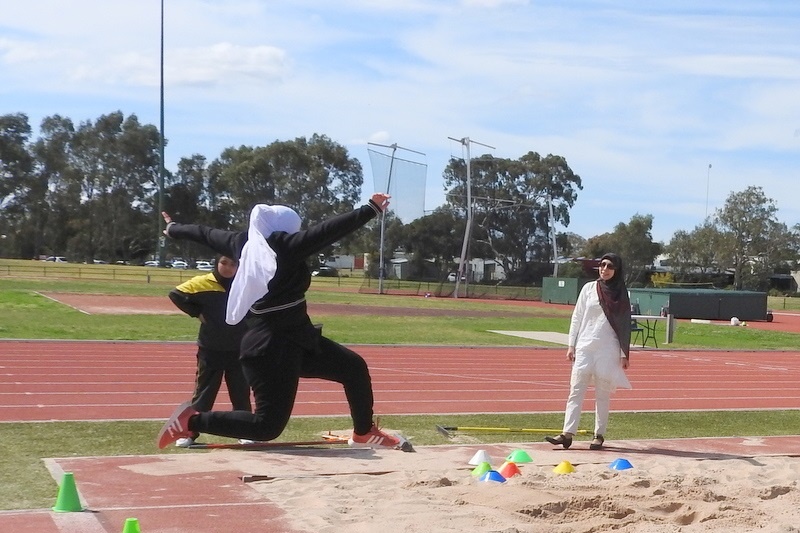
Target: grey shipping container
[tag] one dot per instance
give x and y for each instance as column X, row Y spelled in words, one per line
column 708, row 304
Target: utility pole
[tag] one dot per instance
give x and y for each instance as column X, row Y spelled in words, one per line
column 462, row 266
column 708, row 186
column 553, row 235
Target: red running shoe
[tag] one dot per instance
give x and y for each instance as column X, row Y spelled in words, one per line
column 177, row 427
column 375, row 438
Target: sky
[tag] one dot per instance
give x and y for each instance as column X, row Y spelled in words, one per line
column 663, row 108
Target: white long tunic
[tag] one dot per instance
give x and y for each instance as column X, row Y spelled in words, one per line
column 597, row 350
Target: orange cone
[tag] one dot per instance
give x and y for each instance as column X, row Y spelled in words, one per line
column 509, row 469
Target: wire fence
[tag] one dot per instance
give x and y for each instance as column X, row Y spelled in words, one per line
column 354, row 280
column 447, row 289
column 122, row 273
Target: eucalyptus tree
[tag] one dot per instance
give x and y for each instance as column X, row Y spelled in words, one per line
column 632, row 241
column 16, row 162
column 186, row 190
column 748, row 219
column 18, row 190
column 52, row 153
column 317, row 177
column 570, row 244
column 434, row 240
column 513, row 201
column 697, row 254
column 116, row 162
column 186, row 200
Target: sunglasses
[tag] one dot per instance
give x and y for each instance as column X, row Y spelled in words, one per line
column 608, row 265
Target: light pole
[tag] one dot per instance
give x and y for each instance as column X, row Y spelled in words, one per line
column 708, row 184
column 161, row 242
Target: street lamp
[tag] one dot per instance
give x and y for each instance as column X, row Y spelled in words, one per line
column 708, row 182
column 161, row 242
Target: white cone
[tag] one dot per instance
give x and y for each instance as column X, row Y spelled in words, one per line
column 480, row 457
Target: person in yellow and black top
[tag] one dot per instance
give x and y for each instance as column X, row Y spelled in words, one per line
column 205, row 297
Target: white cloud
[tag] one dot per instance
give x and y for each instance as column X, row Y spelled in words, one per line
column 18, row 53
column 732, row 66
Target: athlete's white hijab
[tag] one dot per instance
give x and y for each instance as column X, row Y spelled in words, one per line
column 258, row 262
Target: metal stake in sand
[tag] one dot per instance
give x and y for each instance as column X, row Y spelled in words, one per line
column 68, row 500
column 446, row 430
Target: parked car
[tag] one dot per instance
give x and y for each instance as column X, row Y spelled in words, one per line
column 182, row 265
column 325, row 271
column 204, row 265
column 151, row 263
column 451, row 277
column 56, row 259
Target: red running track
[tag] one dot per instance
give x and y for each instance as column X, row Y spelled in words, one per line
column 76, row 380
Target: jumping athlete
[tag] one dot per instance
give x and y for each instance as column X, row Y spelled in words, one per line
column 281, row 345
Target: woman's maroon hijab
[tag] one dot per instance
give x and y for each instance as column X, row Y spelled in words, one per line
column 615, row 302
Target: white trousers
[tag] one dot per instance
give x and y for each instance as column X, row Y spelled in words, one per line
column 602, row 405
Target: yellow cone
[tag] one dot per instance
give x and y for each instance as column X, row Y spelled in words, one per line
column 564, row 467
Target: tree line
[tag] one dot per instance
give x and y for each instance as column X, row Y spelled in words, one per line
column 91, row 191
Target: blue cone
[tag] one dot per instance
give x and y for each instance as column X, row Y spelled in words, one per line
column 493, row 475
column 620, row 464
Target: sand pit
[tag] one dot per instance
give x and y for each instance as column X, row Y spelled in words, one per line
column 679, row 485
column 435, row 491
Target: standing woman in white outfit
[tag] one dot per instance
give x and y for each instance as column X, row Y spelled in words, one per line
column 599, row 347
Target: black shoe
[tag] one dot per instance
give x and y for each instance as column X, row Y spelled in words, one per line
column 597, row 442
column 562, row 439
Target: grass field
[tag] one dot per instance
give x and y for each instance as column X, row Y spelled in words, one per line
column 26, row 314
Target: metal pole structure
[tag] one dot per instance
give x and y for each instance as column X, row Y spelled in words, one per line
column 382, row 264
column 381, row 270
column 161, row 238
column 708, row 182
column 553, row 235
column 462, row 268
